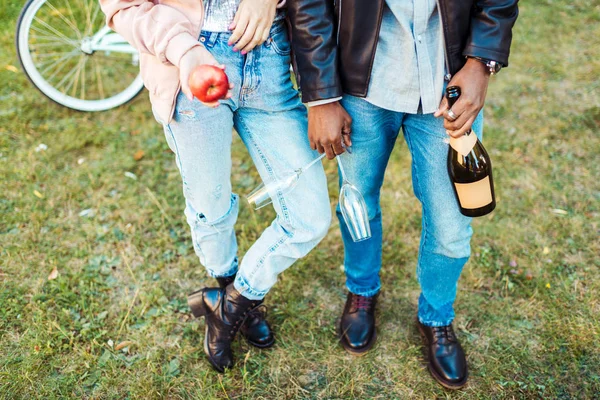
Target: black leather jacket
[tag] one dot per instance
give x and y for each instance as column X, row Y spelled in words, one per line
column 334, row 42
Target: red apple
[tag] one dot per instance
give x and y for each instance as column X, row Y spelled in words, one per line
column 208, row 83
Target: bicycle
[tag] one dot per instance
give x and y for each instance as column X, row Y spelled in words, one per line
column 72, row 57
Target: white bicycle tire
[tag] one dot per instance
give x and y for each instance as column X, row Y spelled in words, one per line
column 22, row 43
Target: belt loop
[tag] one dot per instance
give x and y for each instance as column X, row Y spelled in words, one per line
column 212, row 39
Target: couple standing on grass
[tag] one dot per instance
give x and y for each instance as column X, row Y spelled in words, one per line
column 366, row 69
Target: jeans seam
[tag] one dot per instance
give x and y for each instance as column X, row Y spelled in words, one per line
column 178, row 159
column 269, row 168
column 271, row 249
column 420, row 193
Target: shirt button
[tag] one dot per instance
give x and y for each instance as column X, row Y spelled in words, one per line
column 203, row 39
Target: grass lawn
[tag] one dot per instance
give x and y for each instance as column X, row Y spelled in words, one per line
column 115, row 324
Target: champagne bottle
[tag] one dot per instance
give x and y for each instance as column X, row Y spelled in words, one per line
column 470, row 170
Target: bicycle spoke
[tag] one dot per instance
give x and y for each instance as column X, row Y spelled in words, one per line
column 57, row 33
column 68, row 76
column 76, row 81
column 47, row 55
column 69, row 23
column 65, row 57
column 53, row 37
column 68, row 3
column 60, row 84
column 58, row 69
column 34, row 46
column 96, row 12
column 83, row 79
column 98, row 79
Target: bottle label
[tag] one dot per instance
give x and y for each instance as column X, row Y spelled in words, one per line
column 464, row 144
column 475, row 194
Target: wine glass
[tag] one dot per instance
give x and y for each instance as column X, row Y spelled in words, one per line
column 263, row 194
column 354, row 208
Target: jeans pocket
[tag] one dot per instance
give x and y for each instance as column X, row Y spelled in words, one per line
column 279, row 40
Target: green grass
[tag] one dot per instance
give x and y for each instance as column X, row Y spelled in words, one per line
column 530, row 331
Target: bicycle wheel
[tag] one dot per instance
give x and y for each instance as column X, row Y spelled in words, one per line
column 70, row 55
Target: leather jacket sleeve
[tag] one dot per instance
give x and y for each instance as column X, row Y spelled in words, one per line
column 491, row 30
column 314, row 43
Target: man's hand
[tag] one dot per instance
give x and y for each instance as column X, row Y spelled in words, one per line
column 197, row 56
column 329, row 125
column 252, row 24
column 473, row 81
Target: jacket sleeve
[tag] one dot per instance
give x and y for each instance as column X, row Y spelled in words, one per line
column 155, row 29
column 314, row 42
column 491, row 30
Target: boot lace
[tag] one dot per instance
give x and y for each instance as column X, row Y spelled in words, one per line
column 361, row 303
column 240, row 321
column 259, row 312
column 444, row 334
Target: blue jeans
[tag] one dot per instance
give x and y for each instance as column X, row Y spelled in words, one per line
column 445, row 234
column 267, row 114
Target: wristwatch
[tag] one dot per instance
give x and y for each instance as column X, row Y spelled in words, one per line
column 493, row 66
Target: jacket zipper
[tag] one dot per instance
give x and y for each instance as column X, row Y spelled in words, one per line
column 448, row 75
column 339, row 27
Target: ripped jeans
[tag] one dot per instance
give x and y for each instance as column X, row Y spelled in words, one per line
column 267, row 114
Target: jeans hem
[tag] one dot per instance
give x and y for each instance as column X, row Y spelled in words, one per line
column 230, row 272
column 241, row 285
column 364, row 292
column 435, row 323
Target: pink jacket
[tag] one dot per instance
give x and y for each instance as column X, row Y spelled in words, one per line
column 163, row 31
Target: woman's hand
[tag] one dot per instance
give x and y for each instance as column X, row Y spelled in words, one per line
column 197, row 56
column 252, row 24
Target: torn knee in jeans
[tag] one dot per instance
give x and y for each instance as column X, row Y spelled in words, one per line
column 217, row 217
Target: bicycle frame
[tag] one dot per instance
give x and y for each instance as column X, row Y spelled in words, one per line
column 107, row 40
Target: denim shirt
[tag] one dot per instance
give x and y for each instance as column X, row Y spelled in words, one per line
column 409, row 66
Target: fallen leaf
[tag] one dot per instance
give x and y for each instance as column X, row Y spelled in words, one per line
column 11, row 68
column 529, row 276
column 123, row 344
column 54, row 274
column 88, row 212
column 38, row 194
column 131, row 175
column 558, row 211
column 138, row 155
column 546, row 250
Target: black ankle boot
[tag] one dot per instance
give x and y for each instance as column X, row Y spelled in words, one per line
column 357, row 326
column 224, row 311
column 256, row 329
column 446, row 358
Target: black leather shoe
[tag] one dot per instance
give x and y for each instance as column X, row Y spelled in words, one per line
column 224, row 311
column 446, row 359
column 357, row 327
column 256, row 329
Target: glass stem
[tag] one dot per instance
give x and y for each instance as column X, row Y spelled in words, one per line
column 339, row 161
column 313, row 162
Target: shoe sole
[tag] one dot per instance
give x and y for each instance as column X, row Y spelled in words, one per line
column 260, row 345
column 436, row 376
